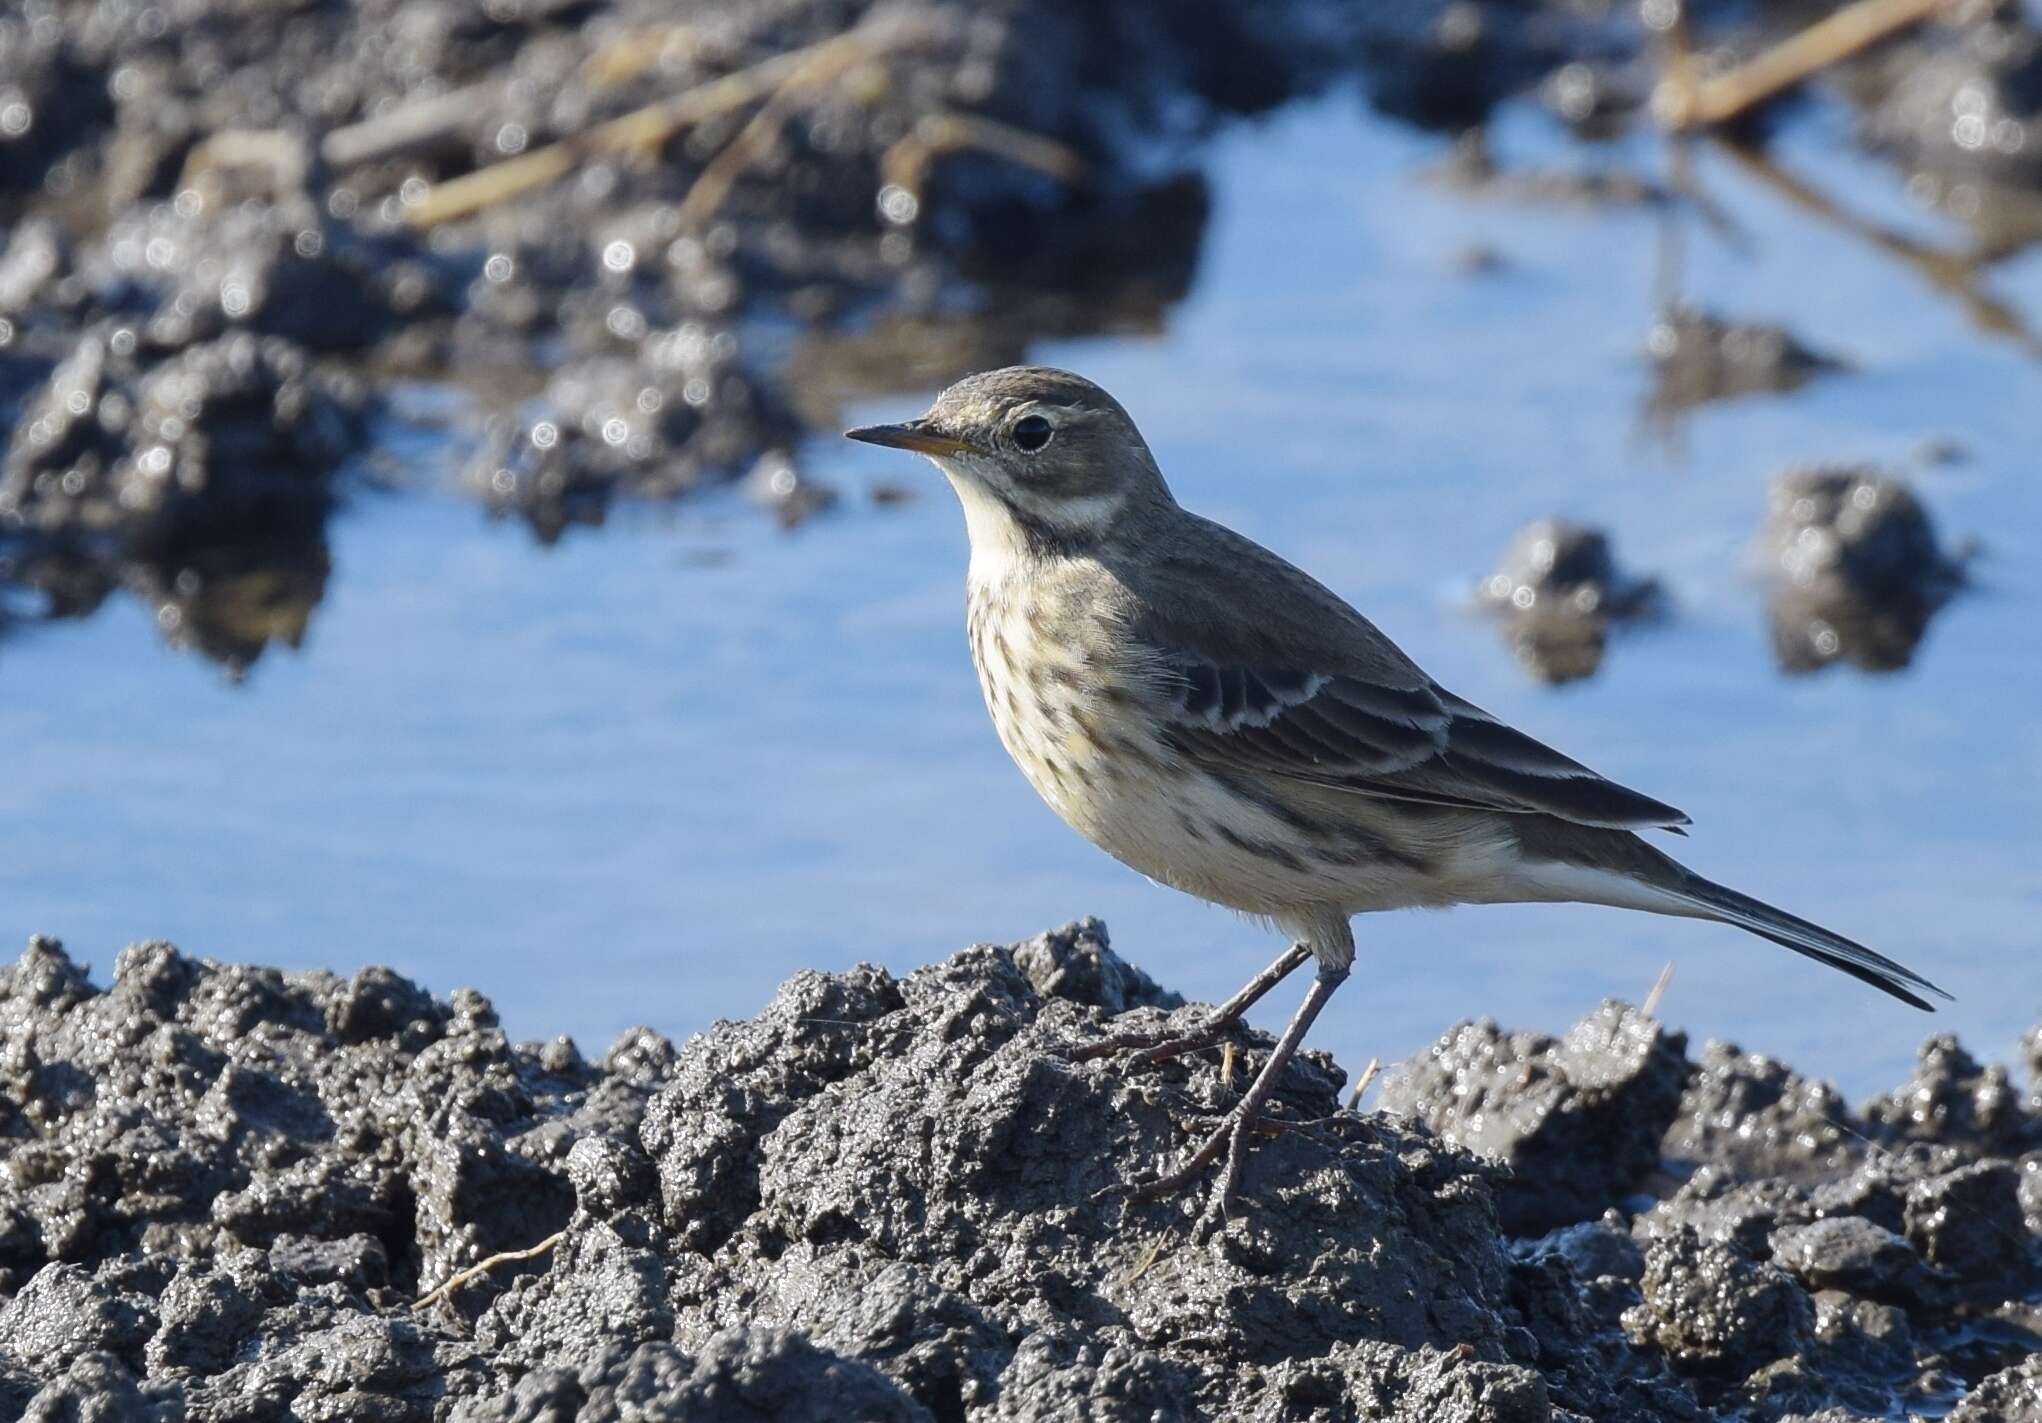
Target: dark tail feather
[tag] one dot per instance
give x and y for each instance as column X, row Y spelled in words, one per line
column 1818, row 943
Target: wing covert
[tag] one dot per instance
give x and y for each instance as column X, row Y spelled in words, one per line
column 1418, row 743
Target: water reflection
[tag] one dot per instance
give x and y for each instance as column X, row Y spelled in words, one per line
column 912, row 210
column 1473, row 170
column 228, row 601
column 2016, row 223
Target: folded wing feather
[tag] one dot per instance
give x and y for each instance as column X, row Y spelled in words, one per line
column 1419, row 744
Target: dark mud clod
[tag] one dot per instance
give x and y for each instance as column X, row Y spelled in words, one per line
column 1857, row 569
column 1582, row 1132
column 227, row 1187
column 1698, row 357
column 1560, row 593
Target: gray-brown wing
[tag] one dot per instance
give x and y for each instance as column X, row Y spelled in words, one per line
column 1419, row 744
column 1263, row 668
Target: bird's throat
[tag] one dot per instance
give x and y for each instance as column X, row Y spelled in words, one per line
column 999, row 543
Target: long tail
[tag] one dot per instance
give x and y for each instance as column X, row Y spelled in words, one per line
column 1599, row 866
column 1727, row 906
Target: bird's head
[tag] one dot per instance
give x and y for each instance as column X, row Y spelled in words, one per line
column 1034, row 453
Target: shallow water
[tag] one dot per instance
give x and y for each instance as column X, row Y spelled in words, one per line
column 646, row 774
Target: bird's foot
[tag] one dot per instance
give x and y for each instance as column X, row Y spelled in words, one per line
column 1233, row 1139
column 1194, row 1165
column 1246, row 1120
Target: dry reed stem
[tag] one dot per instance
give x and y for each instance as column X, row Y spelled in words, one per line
column 455, row 1282
column 1361, row 1083
column 647, row 128
column 1954, row 273
column 906, row 164
column 1659, row 987
column 820, row 67
column 639, row 52
column 1683, row 104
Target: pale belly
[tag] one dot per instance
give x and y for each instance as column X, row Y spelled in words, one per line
column 1082, row 742
column 1078, row 723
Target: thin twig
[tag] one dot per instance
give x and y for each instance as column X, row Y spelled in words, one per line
column 1147, row 1260
column 473, row 1271
column 1681, row 103
column 640, row 130
column 1363, row 1082
column 409, row 126
column 820, row 67
column 906, row 164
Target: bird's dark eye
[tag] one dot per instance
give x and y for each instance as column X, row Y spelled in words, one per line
column 1032, row 432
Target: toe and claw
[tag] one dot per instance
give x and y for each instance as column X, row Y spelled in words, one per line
column 1234, row 1134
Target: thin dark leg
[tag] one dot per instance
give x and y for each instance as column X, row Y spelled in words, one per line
column 1234, row 1135
column 1159, row 1047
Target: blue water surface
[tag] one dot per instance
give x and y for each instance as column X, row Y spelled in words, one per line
column 644, row 775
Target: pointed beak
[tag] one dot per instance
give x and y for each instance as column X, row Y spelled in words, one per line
column 916, row 435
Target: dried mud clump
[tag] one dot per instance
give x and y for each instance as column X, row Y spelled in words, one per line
column 1857, row 569
column 198, row 478
column 1699, row 357
column 1578, row 1118
column 1559, row 593
column 886, row 1198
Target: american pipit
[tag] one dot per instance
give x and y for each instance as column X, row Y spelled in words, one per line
column 1209, row 714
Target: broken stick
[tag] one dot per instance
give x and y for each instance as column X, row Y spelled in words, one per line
column 1683, row 105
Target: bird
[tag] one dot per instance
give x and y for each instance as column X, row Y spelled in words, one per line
column 1217, row 719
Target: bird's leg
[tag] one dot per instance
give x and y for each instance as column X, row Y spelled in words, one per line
column 1233, row 1136
column 1160, row 1047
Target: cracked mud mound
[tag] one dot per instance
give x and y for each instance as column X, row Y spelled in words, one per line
column 880, row 1199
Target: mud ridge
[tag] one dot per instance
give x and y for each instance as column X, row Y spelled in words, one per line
column 228, row 1187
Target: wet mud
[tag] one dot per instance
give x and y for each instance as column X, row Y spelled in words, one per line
column 655, row 247
column 658, row 248
column 229, row 1187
